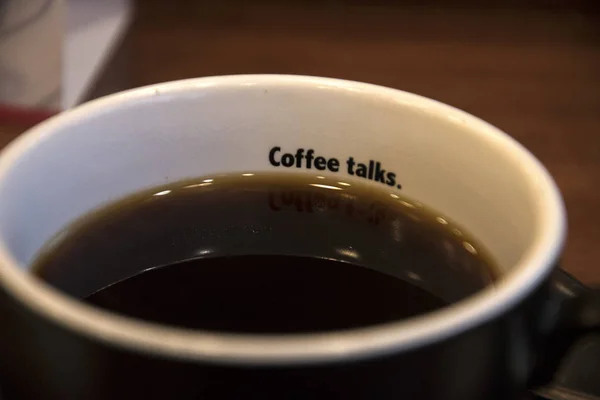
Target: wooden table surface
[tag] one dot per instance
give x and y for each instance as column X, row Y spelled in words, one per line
column 533, row 72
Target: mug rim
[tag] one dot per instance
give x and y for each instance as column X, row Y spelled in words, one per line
column 271, row 349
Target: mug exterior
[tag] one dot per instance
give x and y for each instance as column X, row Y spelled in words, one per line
column 484, row 347
column 492, row 361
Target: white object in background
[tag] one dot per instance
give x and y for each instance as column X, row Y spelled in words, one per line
column 94, row 31
column 31, row 52
column 53, row 51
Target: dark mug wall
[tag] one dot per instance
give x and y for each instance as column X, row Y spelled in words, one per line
column 495, row 361
column 496, row 344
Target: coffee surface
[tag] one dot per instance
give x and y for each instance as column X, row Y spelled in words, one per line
column 266, row 253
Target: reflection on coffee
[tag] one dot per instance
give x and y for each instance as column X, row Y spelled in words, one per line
column 266, row 253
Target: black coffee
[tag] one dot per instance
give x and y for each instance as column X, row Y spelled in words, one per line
column 266, row 253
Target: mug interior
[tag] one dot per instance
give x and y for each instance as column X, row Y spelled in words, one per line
column 445, row 158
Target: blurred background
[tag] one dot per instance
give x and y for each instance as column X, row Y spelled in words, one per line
column 531, row 67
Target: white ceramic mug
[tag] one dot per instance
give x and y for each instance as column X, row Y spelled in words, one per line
column 485, row 347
